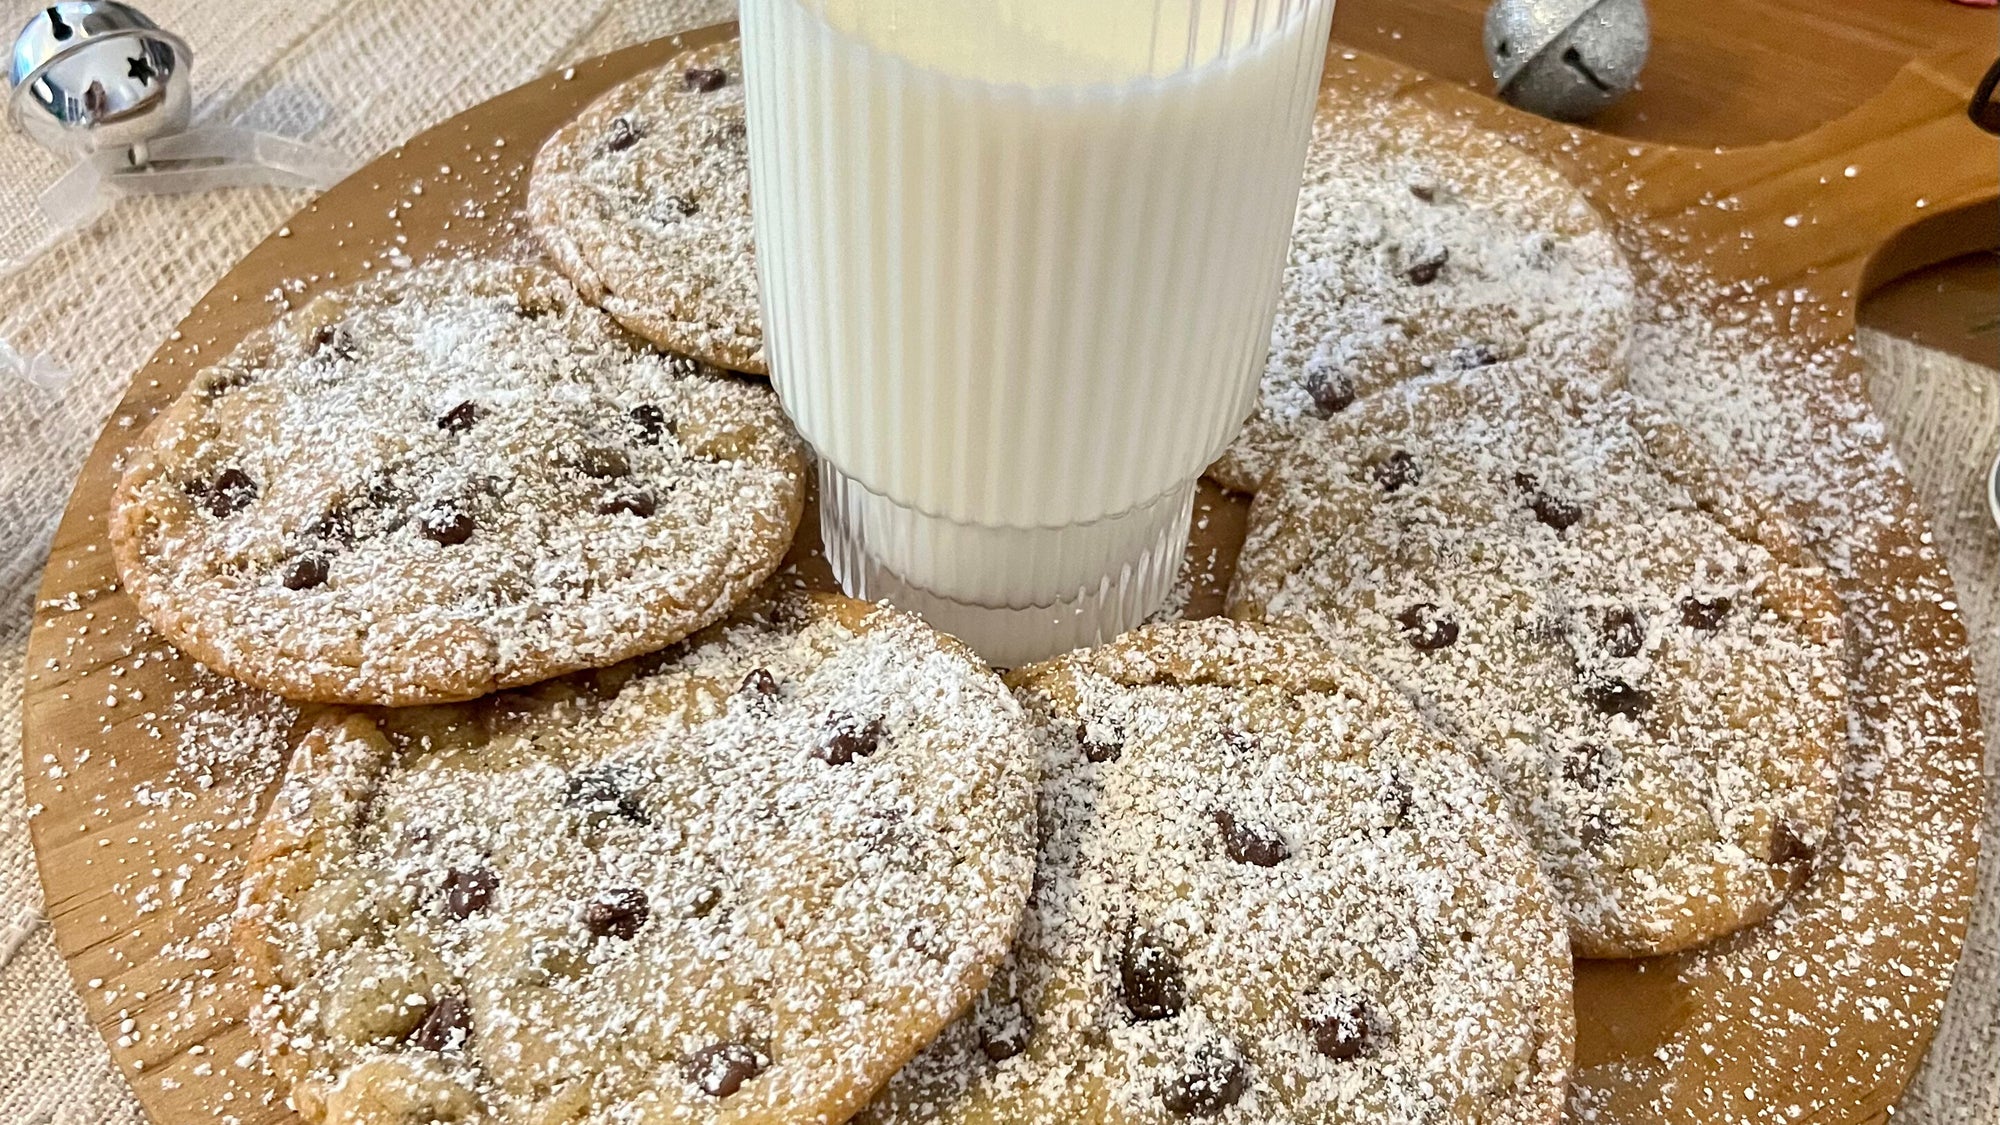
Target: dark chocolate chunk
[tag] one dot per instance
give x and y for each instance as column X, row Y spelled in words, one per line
column 619, row 913
column 446, row 1025
column 1471, row 357
column 1251, row 841
column 1331, row 391
column 446, row 524
column 847, row 738
column 1704, row 613
column 631, row 503
column 604, row 792
column 1149, row 978
column 650, row 422
column 1616, row 697
column 469, row 891
column 686, row 206
column 336, row 341
column 305, row 572
column 1587, row 765
column 623, row 135
column 1106, row 745
column 703, row 902
column 760, row 682
column 1395, row 471
column 1426, row 269
column 1624, row 632
column 1427, row 627
column 706, row 80
column 1553, row 510
column 1595, row 830
column 1212, row 1078
column 1342, row 1027
column 1424, row 191
column 459, row 418
column 1005, row 1032
column 722, row 1069
column 1787, row 848
column 230, row 492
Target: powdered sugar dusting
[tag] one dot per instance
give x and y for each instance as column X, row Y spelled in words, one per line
column 1265, row 895
column 447, row 481
column 748, row 879
column 1638, row 654
column 644, row 200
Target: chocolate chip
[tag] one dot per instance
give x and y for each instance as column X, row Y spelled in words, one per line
column 305, row 572
column 1594, row 830
column 603, row 464
column 1787, row 848
column 686, row 206
column 624, row 134
column 604, row 792
column 1425, row 192
column 459, row 418
column 333, row 527
column 1549, row 508
column 761, row 682
column 1427, row 627
column 335, row 340
column 469, row 891
column 1426, row 269
column 1397, row 799
column 447, row 524
column 1241, row 741
column 1101, row 743
column 1342, row 1027
column 651, row 422
column 1331, row 391
column 847, row 738
column 1471, row 357
column 633, row 503
column 617, row 914
column 706, row 80
column 1704, row 613
column 229, row 493
column 722, row 1069
column 1615, row 697
column 1624, row 632
column 1149, row 978
column 1004, row 1033
column 446, row 1026
column 1395, row 471
column 1251, row 841
column 1212, row 1079
column 1587, row 765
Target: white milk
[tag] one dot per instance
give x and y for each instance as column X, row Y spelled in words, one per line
column 1019, row 259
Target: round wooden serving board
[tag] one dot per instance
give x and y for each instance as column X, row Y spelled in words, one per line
column 150, row 772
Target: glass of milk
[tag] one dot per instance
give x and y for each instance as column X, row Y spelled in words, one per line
column 1019, row 260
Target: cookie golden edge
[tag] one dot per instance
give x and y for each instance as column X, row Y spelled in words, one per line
column 179, row 618
column 282, row 861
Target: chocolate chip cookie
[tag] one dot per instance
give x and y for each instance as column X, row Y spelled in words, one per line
column 1636, row 647
column 1266, row 893
column 1423, row 244
column 644, row 201
column 447, row 481
column 740, row 881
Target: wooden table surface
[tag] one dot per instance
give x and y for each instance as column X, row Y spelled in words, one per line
column 1794, row 64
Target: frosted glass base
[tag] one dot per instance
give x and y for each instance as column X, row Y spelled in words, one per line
column 1016, row 595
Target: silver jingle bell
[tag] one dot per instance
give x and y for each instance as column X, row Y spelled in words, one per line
column 96, row 75
column 1566, row 59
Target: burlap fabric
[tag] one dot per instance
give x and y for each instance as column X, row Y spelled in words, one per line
column 363, row 74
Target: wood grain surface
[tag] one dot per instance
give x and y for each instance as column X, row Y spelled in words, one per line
column 102, row 738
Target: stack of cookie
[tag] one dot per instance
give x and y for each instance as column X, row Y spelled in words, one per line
column 603, row 826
